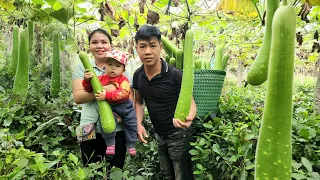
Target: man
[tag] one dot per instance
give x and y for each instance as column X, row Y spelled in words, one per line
column 158, row 84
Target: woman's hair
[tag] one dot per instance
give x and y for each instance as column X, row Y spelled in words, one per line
column 146, row 32
column 99, row 30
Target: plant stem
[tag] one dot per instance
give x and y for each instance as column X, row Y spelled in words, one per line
column 255, row 5
column 285, row 2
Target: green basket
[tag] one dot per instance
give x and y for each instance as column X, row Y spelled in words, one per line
column 207, row 90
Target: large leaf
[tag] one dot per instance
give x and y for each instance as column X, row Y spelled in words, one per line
column 7, row 5
column 63, row 15
column 306, row 163
column 51, row 2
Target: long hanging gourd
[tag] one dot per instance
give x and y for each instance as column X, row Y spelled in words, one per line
column 55, row 73
column 177, row 53
column 179, row 59
column 15, row 51
column 225, row 59
column 31, row 47
column 21, row 81
column 185, row 96
column 30, row 30
column 274, row 153
column 218, row 58
column 106, row 116
column 258, row 72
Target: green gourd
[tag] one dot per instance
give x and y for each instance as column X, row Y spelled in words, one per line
column 55, row 73
column 30, row 30
column 198, row 64
column 105, row 112
column 179, row 59
column 21, row 81
column 167, row 58
column 218, row 58
column 15, row 51
column 258, row 72
column 185, row 96
column 172, row 61
column 274, row 153
column 168, row 45
column 225, row 59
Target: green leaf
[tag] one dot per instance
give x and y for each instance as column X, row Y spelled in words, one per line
column 233, row 158
column 208, row 126
column 81, row 174
column 20, row 135
column 197, row 172
column 199, row 166
column 124, row 32
column 255, row 1
column 298, row 176
column 66, row 171
column 216, row 149
column 19, row 174
column 23, row 163
column 193, row 152
column 116, row 174
column 141, row 20
column 38, row 2
column 51, row 2
column 138, row 177
column 7, row 122
column 251, row 166
column 73, row 158
column 304, row 133
column 7, row 5
column 57, row 6
column 296, row 165
column 306, row 164
column 125, row 15
column 62, row 15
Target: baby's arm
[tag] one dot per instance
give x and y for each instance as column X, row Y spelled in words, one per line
column 86, row 81
column 121, row 94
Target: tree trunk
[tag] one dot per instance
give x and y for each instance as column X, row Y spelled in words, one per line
column 317, row 89
column 240, row 73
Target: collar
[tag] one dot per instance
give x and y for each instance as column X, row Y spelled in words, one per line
column 94, row 66
column 164, row 69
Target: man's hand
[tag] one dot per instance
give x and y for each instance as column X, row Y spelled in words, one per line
column 87, row 75
column 142, row 133
column 101, row 95
column 179, row 124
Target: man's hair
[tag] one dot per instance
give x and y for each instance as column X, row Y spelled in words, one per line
column 102, row 31
column 146, row 32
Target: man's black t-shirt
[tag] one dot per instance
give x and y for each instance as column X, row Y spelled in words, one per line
column 160, row 95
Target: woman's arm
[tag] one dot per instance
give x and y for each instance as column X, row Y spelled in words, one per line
column 80, row 96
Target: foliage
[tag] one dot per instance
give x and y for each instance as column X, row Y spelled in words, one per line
column 225, row 147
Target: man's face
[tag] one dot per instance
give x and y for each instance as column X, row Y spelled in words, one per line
column 149, row 51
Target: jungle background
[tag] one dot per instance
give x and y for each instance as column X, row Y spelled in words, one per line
column 38, row 138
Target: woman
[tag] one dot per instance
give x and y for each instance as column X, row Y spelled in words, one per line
column 94, row 150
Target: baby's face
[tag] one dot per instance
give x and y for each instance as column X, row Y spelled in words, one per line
column 114, row 68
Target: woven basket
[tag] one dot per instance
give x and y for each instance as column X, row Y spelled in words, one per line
column 207, row 90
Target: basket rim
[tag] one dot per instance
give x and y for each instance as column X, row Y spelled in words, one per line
column 211, row 71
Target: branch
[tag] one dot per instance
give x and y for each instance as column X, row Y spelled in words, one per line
column 255, row 5
column 189, row 12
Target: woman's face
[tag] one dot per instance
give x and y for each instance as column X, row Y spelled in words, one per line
column 99, row 44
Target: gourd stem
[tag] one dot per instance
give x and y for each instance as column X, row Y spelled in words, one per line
column 285, row 2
